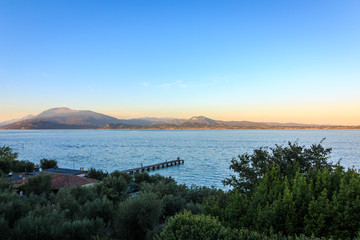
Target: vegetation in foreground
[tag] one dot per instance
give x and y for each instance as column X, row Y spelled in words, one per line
column 286, row 192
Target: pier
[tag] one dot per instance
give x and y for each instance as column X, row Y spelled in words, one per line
column 154, row 167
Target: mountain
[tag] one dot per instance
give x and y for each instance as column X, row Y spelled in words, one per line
column 66, row 118
column 16, row 120
column 201, row 120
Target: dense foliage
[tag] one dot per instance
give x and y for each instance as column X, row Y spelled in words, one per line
column 48, row 163
column 9, row 162
column 289, row 192
column 289, row 159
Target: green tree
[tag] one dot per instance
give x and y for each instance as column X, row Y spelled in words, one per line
column 188, row 226
column 138, row 215
column 250, row 169
column 7, row 156
column 48, row 163
column 96, row 174
column 39, row 184
column 114, row 188
column 22, row 166
column 4, row 228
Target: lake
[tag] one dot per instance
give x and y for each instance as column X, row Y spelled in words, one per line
column 207, row 153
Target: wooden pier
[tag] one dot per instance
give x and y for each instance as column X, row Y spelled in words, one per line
column 154, row 166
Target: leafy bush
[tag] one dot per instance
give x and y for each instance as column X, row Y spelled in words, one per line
column 22, row 166
column 4, row 228
column 173, row 204
column 71, row 199
column 252, row 168
column 100, row 208
column 140, row 177
column 127, row 177
column 163, row 188
column 96, row 174
column 48, row 163
column 39, row 184
column 5, row 184
column 138, row 215
column 45, row 223
column 7, row 156
column 114, row 188
column 13, row 207
column 188, row 226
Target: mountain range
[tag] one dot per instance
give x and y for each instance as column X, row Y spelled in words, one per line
column 66, row 118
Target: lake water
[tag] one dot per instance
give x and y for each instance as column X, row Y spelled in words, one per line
column 207, row 153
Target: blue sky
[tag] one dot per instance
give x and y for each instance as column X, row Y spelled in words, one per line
column 285, row 61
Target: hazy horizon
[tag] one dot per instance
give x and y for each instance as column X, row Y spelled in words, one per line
column 227, row 60
column 169, row 117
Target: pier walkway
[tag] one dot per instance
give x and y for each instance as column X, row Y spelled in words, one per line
column 153, row 167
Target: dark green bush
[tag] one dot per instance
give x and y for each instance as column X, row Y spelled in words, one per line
column 140, row 177
column 187, row 226
column 4, row 228
column 96, row 174
column 100, row 208
column 7, row 156
column 45, row 223
column 22, row 166
column 127, row 177
column 172, row 205
column 114, row 188
column 48, row 163
column 138, row 215
column 250, row 169
column 13, row 207
column 39, row 184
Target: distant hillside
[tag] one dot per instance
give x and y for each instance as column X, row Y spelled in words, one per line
column 66, row 118
column 16, row 120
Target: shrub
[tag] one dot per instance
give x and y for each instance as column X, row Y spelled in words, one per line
column 173, row 204
column 48, row 163
column 138, row 215
column 39, row 184
column 13, row 207
column 22, row 166
column 44, row 223
column 4, row 228
column 101, row 208
column 114, row 188
column 96, row 174
column 188, row 226
column 7, row 156
column 251, row 168
column 140, row 177
column 5, row 184
column 127, row 177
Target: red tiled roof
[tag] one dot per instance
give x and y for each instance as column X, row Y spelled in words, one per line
column 61, row 180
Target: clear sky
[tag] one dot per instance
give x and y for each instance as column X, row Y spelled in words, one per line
column 284, row 61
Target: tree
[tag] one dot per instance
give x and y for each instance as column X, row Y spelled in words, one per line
column 251, row 169
column 188, row 226
column 48, row 163
column 39, row 184
column 114, row 188
column 138, row 215
column 96, row 174
column 7, row 156
column 22, row 166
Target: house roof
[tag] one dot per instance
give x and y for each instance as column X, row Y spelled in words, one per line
column 62, row 180
column 14, row 177
column 64, row 171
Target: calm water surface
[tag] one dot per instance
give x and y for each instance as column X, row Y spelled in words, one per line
column 207, row 153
